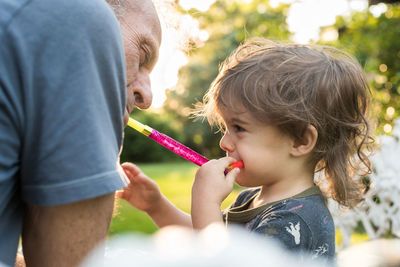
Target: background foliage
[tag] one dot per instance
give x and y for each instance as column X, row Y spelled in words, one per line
column 374, row 41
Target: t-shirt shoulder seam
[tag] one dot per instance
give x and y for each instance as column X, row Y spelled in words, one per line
column 56, row 186
column 15, row 14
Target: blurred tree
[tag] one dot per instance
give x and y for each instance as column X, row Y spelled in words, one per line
column 139, row 148
column 375, row 43
column 228, row 24
column 374, row 2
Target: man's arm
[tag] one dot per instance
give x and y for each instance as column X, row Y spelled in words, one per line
column 63, row 235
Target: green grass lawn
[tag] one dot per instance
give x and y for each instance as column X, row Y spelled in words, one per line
column 175, row 180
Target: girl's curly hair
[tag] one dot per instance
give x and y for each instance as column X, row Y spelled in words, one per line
column 293, row 86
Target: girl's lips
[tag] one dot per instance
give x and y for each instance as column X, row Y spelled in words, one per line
column 237, row 164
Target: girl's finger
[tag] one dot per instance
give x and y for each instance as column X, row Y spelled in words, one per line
column 231, row 176
column 131, row 170
column 220, row 164
column 225, row 161
column 119, row 194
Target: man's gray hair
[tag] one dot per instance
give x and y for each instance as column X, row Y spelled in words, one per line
column 118, row 6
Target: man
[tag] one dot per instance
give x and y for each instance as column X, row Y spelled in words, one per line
column 141, row 32
column 62, row 110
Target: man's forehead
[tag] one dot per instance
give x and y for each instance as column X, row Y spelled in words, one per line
column 139, row 5
column 144, row 15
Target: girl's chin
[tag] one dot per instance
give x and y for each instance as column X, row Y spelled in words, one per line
column 242, row 182
column 245, row 182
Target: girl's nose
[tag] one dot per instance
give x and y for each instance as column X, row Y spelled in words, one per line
column 226, row 143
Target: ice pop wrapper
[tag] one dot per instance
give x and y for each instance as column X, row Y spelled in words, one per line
column 237, row 164
column 175, row 146
column 178, row 148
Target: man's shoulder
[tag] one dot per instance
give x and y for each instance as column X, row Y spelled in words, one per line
column 8, row 10
column 47, row 14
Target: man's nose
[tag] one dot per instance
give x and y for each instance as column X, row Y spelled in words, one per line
column 142, row 90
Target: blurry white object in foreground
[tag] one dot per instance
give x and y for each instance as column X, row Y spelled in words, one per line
column 182, row 247
column 380, row 212
column 377, row 253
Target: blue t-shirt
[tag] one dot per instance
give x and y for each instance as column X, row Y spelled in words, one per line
column 301, row 223
column 62, row 98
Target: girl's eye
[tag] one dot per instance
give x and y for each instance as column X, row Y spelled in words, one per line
column 237, row 128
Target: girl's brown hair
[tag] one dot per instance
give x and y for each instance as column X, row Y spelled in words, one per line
column 293, row 86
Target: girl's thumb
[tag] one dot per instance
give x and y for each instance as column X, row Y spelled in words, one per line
column 231, row 176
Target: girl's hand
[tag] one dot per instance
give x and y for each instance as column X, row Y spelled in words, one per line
column 142, row 192
column 210, row 184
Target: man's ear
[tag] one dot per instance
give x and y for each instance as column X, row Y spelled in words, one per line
column 306, row 144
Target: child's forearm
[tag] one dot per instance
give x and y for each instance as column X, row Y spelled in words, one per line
column 166, row 213
column 204, row 214
column 211, row 186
